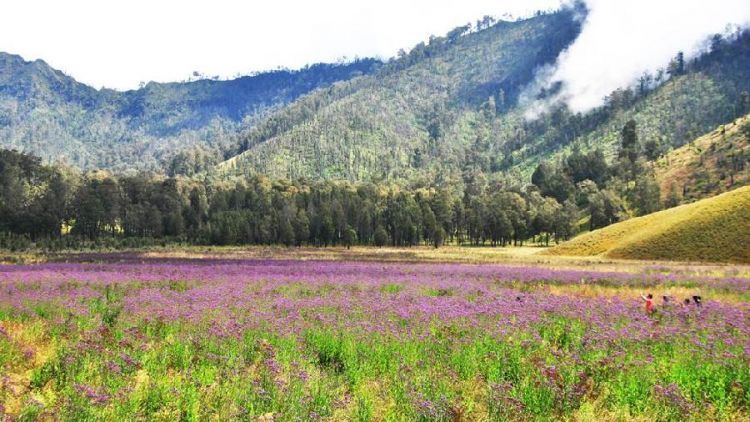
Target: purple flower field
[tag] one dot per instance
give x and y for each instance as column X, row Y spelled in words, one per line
column 184, row 338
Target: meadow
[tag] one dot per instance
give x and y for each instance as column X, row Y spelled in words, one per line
column 279, row 334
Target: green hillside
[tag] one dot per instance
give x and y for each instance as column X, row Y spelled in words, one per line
column 713, row 230
column 711, row 91
column 445, row 113
column 449, row 110
column 47, row 113
column 419, row 115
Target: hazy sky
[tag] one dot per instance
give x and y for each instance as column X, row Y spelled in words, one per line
column 117, row 44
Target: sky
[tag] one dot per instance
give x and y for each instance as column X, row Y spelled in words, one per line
column 118, row 44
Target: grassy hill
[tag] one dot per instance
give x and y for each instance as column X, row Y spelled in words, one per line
column 714, row 230
column 712, row 164
column 49, row 114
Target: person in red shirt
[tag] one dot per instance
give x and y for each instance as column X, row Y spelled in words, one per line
column 649, row 299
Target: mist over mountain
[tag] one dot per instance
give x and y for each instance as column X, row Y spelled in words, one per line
column 623, row 41
column 428, row 110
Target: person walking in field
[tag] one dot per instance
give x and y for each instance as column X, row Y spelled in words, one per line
column 649, row 299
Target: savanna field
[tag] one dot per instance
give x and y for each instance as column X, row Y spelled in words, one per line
column 363, row 336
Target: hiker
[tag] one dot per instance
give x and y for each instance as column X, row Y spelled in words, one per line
column 649, row 299
column 698, row 300
column 686, row 303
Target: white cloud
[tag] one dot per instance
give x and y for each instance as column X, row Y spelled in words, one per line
column 120, row 43
column 622, row 39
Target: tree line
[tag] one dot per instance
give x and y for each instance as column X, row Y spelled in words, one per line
column 54, row 203
column 44, row 203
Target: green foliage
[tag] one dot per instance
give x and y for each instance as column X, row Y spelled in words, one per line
column 605, row 208
column 32, row 198
column 673, row 112
column 195, row 377
column 646, row 196
column 349, row 237
column 101, row 210
column 446, row 112
column 108, row 307
column 381, row 237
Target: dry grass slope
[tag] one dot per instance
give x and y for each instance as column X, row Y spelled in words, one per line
column 712, row 164
column 710, row 230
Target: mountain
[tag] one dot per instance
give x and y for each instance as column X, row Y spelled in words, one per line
column 710, row 90
column 419, row 114
column 445, row 113
column 448, row 111
column 712, row 164
column 712, row 230
column 47, row 113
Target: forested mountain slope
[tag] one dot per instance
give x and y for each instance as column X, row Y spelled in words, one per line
column 693, row 99
column 418, row 115
column 47, row 113
column 445, row 113
column 448, row 111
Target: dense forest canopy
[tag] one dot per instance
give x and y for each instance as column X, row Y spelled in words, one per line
column 41, row 200
column 443, row 112
column 428, row 109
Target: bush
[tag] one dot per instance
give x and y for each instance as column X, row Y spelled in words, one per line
column 381, row 237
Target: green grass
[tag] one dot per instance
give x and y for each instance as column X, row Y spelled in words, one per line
column 341, row 376
column 711, row 230
column 109, row 364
